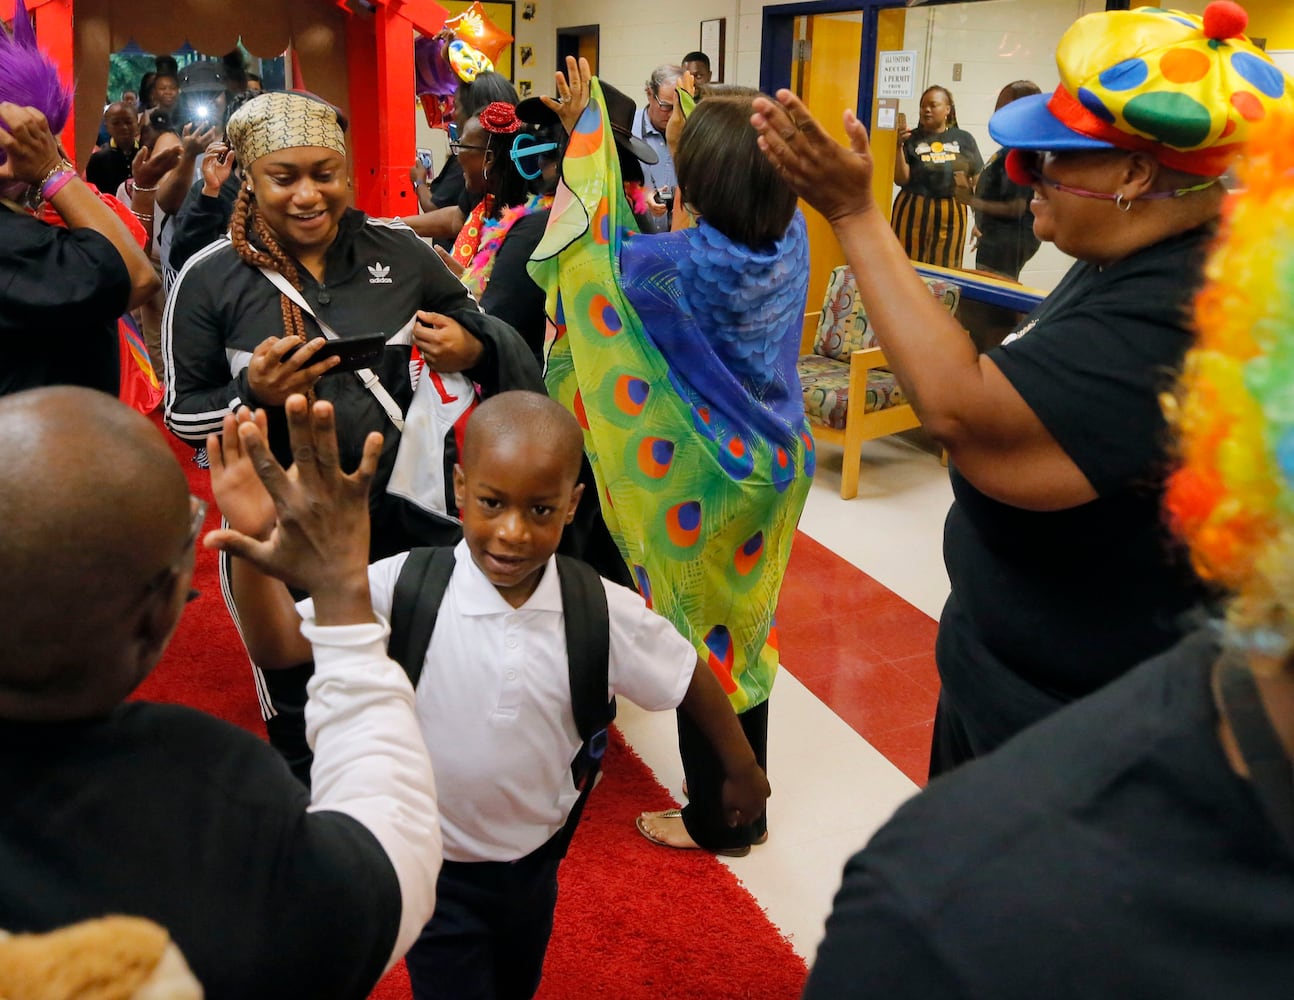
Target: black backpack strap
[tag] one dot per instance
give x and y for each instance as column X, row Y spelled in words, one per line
column 419, row 589
column 588, row 651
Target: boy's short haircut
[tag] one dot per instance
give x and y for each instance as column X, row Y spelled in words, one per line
column 724, row 177
column 700, row 57
column 520, row 413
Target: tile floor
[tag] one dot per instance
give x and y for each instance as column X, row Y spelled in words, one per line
column 850, row 719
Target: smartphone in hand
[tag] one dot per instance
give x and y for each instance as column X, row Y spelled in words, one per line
column 355, row 352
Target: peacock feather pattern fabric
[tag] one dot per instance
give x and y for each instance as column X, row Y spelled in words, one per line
column 677, row 354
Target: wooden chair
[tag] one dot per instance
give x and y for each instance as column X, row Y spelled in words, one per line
column 850, row 395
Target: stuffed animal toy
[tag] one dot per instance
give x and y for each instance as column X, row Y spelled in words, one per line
column 113, row 958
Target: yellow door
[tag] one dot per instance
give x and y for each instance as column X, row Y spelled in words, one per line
column 826, row 79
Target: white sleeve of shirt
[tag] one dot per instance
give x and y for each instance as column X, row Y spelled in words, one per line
column 370, row 759
column 650, row 663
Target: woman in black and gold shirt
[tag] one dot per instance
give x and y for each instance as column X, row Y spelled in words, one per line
column 927, row 218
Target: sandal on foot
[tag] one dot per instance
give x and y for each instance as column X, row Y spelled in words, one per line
column 677, row 814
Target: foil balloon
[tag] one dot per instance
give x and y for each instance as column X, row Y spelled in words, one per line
column 467, row 61
column 432, row 72
column 477, row 30
column 439, row 110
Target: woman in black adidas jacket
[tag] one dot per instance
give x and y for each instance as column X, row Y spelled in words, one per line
column 232, row 338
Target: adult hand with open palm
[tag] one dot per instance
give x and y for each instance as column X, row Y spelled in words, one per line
column 835, row 180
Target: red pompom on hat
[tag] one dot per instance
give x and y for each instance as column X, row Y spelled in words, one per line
column 1224, row 19
column 500, row 118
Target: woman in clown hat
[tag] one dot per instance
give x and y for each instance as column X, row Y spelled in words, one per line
column 1063, row 576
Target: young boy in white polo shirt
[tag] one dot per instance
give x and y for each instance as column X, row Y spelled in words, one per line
column 494, row 699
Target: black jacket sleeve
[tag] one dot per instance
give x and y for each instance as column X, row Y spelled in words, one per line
column 199, row 391
column 200, row 221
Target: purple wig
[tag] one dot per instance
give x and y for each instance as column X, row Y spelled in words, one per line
column 28, row 77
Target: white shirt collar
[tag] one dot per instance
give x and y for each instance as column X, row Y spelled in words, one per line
column 475, row 595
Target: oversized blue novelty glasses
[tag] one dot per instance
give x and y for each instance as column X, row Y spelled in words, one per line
column 525, row 146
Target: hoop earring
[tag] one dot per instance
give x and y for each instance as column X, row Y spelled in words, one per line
column 1122, row 203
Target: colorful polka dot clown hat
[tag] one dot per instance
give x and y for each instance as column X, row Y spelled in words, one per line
column 1188, row 90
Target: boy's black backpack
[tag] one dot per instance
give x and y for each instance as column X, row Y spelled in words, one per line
column 420, row 588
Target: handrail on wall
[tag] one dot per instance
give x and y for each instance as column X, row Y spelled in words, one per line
column 980, row 287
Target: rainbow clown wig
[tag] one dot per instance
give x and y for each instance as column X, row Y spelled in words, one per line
column 28, row 77
column 1232, row 498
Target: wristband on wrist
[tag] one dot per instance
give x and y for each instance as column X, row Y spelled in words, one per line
column 145, row 189
column 56, row 179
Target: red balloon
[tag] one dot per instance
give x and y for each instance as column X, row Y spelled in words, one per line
column 439, row 110
column 475, row 28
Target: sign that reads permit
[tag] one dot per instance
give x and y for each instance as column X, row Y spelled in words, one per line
column 896, row 74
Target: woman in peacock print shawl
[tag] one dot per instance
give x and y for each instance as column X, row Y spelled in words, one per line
column 677, row 354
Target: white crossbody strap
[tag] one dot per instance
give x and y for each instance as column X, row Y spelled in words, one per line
column 367, row 377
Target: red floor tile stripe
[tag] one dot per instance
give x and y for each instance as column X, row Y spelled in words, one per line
column 865, row 652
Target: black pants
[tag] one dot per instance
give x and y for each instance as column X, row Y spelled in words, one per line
column 1005, row 255
column 489, row 934
column 287, row 727
column 703, row 815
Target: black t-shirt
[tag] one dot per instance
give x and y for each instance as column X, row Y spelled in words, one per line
column 1108, row 852
column 512, row 294
column 933, row 158
column 1049, row 606
column 994, row 185
column 166, row 813
column 108, row 168
column 61, row 294
column 449, row 184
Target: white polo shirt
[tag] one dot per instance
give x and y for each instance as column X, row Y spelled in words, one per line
column 494, row 701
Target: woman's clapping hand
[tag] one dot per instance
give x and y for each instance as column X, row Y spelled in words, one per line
column 835, row 180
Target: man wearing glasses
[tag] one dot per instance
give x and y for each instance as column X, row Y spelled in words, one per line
column 649, row 125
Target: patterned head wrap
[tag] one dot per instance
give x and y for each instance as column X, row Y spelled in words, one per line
column 1189, row 90
column 277, row 121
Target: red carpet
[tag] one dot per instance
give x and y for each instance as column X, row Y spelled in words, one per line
column 634, row 922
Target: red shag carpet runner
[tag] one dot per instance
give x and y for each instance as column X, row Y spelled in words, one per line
column 633, row 921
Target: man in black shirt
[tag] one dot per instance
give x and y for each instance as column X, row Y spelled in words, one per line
column 166, row 813
column 1114, row 850
column 108, row 168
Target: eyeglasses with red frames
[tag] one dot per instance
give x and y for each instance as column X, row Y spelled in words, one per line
column 1024, row 166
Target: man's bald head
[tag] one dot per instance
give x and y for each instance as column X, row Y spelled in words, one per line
column 527, row 422
column 93, row 508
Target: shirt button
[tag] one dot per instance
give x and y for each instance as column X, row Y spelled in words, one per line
column 512, row 643
column 324, row 297
column 512, row 675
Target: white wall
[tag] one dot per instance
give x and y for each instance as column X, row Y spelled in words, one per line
column 637, row 37
column 994, row 43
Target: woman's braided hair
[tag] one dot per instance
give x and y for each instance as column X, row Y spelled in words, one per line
column 272, row 257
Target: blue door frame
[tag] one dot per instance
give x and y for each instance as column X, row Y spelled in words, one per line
column 778, row 45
